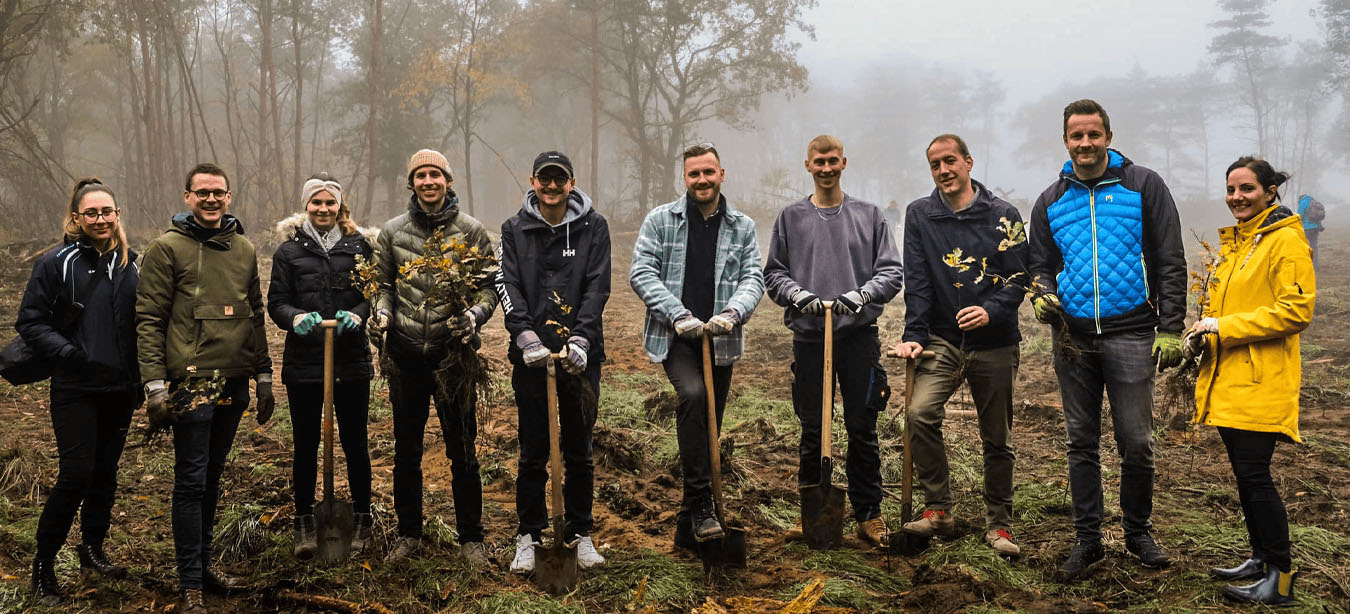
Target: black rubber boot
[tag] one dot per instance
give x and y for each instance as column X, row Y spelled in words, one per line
column 46, row 590
column 92, row 557
column 305, row 539
column 1276, row 588
column 1250, row 568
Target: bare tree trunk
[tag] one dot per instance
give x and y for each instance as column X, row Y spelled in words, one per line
column 299, row 119
column 377, row 24
column 594, row 187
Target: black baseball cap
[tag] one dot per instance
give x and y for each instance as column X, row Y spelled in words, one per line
column 552, row 158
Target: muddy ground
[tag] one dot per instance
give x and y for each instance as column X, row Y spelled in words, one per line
column 1196, row 511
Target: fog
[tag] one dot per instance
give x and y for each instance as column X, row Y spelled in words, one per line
column 274, row 90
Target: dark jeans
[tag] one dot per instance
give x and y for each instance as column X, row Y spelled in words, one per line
column 574, row 425
column 411, row 394
column 91, row 428
column 684, row 367
column 991, row 374
column 201, row 443
column 1267, row 524
column 1312, row 243
column 351, row 406
column 861, row 381
column 1122, row 363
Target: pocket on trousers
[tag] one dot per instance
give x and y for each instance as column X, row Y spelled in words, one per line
column 878, row 389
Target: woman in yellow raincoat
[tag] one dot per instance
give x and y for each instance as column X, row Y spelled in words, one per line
column 1260, row 298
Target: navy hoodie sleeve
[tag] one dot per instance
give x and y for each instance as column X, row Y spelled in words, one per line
column 595, row 289
column 515, row 309
column 919, row 296
column 37, row 310
column 1002, row 305
column 1164, row 253
column 1046, row 260
column 281, row 291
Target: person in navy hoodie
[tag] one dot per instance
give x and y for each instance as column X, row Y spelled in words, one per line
column 79, row 312
column 1106, row 250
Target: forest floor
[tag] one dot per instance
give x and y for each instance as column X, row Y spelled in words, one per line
column 1196, row 512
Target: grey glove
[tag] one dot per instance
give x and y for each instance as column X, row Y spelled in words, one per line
column 808, row 303
column 577, row 347
column 1193, row 345
column 723, row 323
column 376, row 326
column 157, row 405
column 688, row 327
column 532, row 350
column 466, row 324
column 266, row 402
column 851, row 303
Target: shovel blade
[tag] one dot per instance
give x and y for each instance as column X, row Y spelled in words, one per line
column 333, row 519
column 555, row 568
column 823, row 515
column 725, row 551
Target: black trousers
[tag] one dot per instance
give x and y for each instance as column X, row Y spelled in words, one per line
column 202, row 439
column 351, row 407
column 411, row 393
column 91, row 429
column 861, row 381
column 574, row 425
column 684, row 367
column 1267, row 523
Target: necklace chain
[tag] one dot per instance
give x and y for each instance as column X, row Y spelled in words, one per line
column 820, row 211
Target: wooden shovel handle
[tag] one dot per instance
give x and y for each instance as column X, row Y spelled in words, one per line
column 714, row 450
column 827, row 384
column 555, row 465
column 329, row 328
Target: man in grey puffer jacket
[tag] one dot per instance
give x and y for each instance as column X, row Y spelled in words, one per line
column 417, row 337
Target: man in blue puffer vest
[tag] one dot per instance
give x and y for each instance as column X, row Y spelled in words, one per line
column 1106, row 249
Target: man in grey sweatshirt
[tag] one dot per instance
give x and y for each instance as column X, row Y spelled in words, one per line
column 831, row 246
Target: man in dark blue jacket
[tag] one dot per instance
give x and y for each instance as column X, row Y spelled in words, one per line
column 1106, row 249
column 553, row 286
column 966, row 264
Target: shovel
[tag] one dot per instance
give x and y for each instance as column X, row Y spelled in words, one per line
column 333, row 518
column 903, row 542
column 728, row 550
column 823, row 504
column 555, row 567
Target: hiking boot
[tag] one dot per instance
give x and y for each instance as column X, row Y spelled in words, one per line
column 1275, row 588
column 1150, row 555
column 46, row 589
column 874, row 531
column 475, row 554
column 92, row 557
column 306, row 540
column 361, row 534
column 1081, row 558
column 523, row 562
column 1001, row 541
column 1250, row 568
column 217, row 582
column 404, row 547
column 684, row 534
column 795, row 534
column 932, row 521
column 587, row 556
column 704, row 521
column 190, row 601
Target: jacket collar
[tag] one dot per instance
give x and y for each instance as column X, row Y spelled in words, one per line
column 1115, row 167
column 186, row 223
column 679, row 207
column 443, row 216
column 935, row 206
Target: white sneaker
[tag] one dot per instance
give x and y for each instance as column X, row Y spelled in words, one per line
column 587, row 557
column 523, row 563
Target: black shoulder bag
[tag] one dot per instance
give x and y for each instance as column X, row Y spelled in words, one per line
column 19, row 364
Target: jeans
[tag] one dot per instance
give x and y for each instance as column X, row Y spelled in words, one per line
column 991, row 374
column 1312, row 242
column 202, row 439
column 351, row 407
column 575, row 425
column 1123, row 364
column 861, row 381
column 91, row 428
column 411, row 394
column 684, row 367
column 1249, row 453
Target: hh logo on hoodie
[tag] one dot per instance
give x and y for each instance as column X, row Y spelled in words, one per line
column 568, row 253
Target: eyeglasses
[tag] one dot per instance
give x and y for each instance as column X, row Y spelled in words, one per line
column 92, row 215
column 205, row 194
column 550, row 179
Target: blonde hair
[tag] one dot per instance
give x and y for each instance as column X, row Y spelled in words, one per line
column 824, row 143
column 344, row 214
column 75, row 232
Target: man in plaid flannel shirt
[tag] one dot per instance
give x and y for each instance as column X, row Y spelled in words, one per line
column 696, row 265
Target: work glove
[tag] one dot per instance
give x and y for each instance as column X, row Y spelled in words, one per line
column 807, row 303
column 347, row 321
column 157, row 404
column 688, row 327
column 1193, row 345
column 532, row 350
column 72, row 355
column 851, row 303
column 575, row 362
column 465, row 325
column 1047, row 307
column 304, row 323
column 723, row 323
column 376, row 327
column 1167, row 350
column 266, row 402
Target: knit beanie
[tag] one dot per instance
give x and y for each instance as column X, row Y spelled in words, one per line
column 314, row 186
column 428, row 157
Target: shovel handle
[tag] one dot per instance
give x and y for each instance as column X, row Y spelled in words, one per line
column 827, row 385
column 329, row 328
column 555, row 465
column 714, row 450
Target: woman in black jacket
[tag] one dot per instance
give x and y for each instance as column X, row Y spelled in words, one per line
column 312, row 282
column 79, row 312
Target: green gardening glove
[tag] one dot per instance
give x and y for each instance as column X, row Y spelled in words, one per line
column 1167, row 350
column 305, row 322
column 347, row 321
column 1046, row 307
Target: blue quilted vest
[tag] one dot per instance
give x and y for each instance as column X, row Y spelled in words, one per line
column 1100, row 233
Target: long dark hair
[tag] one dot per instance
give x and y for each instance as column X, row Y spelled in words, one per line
column 75, row 232
column 1266, row 174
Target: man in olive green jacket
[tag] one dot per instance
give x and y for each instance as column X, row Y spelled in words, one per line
column 417, row 337
column 199, row 320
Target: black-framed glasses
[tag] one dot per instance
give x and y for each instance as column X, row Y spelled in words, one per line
column 92, row 215
column 205, row 194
